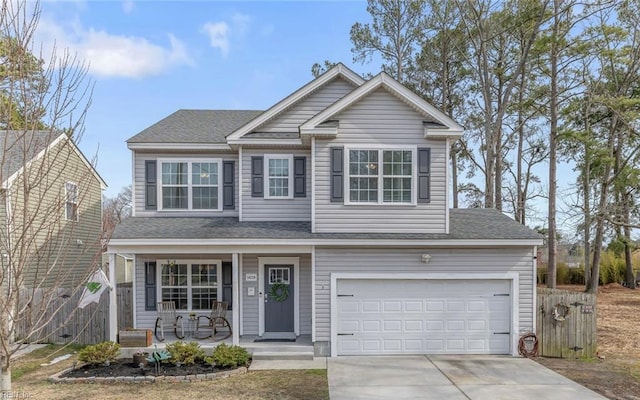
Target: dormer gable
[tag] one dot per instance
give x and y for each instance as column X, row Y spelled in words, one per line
column 251, row 131
column 436, row 123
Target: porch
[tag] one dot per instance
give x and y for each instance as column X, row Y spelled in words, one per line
column 243, row 280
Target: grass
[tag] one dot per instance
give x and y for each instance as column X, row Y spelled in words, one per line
column 30, row 378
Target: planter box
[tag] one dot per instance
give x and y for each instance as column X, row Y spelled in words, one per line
column 135, row 338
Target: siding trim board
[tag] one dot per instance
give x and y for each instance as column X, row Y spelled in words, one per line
column 513, row 277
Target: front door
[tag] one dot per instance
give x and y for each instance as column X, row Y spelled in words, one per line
column 278, row 299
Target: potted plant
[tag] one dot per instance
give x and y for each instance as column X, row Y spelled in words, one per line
column 140, row 358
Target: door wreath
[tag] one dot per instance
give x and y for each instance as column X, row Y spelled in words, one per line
column 279, row 292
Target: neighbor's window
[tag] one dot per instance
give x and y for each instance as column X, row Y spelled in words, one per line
column 278, row 181
column 71, row 201
column 190, row 185
column 191, row 285
column 380, row 176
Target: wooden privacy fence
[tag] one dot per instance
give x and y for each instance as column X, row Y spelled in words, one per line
column 72, row 324
column 566, row 323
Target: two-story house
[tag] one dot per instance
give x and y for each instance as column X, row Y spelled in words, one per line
column 337, row 197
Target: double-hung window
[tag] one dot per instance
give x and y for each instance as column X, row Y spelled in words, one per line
column 380, row 176
column 189, row 185
column 71, row 201
column 190, row 284
column 278, row 180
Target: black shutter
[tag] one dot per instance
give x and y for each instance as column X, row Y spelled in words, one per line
column 299, row 177
column 150, row 286
column 228, row 178
column 337, row 174
column 424, row 175
column 150, row 191
column 257, row 176
column 227, row 284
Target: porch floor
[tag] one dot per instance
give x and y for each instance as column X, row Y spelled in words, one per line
column 302, row 343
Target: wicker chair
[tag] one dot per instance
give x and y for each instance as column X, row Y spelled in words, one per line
column 168, row 318
column 215, row 321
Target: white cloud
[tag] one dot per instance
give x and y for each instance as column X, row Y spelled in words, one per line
column 127, row 6
column 240, row 23
column 112, row 55
column 219, row 34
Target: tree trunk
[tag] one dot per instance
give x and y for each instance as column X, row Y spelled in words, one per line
column 553, row 132
column 5, row 380
column 454, row 174
column 587, row 215
column 629, row 277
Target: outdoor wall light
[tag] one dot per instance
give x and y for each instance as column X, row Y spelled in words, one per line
column 426, row 258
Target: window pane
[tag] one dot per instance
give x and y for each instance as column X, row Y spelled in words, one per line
column 363, row 190
column 278, row 187
column 204, row 274
column 174, row 173
column 279, row 167
column 177, row 295
column 202, row 298
column 363, row 162
column 174, row 197
column 174, row 275
column 205, row 198
column 204, row 174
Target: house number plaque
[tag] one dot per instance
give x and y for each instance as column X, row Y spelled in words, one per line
column 250, row 277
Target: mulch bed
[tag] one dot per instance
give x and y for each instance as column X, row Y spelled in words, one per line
column 126, row 367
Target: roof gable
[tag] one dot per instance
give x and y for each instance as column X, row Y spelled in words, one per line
column 437, row 124
column 339, row 70
column 37, row 143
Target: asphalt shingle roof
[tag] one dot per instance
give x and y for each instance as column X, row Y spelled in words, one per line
column 20, row 146
column 195, row 126
column 464, row 224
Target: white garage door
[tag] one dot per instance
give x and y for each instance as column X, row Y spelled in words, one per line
column 393, row 316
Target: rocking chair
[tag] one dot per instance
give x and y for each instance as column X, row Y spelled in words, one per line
column 217, row 319
column 167, row 318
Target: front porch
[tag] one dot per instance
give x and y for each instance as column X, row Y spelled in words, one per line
column 241, row 279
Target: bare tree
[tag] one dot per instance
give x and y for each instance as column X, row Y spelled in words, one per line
column 114, row 210
column 50, row 203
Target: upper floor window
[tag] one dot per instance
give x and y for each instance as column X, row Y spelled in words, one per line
column 190, row 185
column 71, row 201
column 279, row 181
column 380, row 176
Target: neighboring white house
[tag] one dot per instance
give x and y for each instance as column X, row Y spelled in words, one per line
column 340, row 193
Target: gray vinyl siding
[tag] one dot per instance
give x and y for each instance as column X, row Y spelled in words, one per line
column 290, row 119
column 263, row 209
column 146, row 319
column 139, row 186
column 250, row 303
column 449, row 261
column 381, row 119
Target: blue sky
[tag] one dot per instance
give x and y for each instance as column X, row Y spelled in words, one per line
column 151, row 58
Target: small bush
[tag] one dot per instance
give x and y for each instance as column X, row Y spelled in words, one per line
column 185, row 353
column 230, row 356
column 100, row 353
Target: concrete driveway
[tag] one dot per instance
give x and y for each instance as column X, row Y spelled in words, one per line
column 449, row 377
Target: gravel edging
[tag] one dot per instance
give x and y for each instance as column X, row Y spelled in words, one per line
column 147, row 379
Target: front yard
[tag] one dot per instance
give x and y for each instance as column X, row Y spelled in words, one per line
column 616, row 372
column 280, row 384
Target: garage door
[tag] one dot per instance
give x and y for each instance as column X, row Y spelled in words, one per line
column 423, row 316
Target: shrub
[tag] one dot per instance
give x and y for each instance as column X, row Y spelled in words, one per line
column 185, row 353
column 230, row 356
column 100, row 353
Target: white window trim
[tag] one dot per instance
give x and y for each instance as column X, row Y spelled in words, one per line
column 190, row 186
column 66, row 200
column 290, row 178
column 218, row 286
column 380, row 148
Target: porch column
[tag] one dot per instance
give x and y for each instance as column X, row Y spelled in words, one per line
column 113, row 300
column 235, row 289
